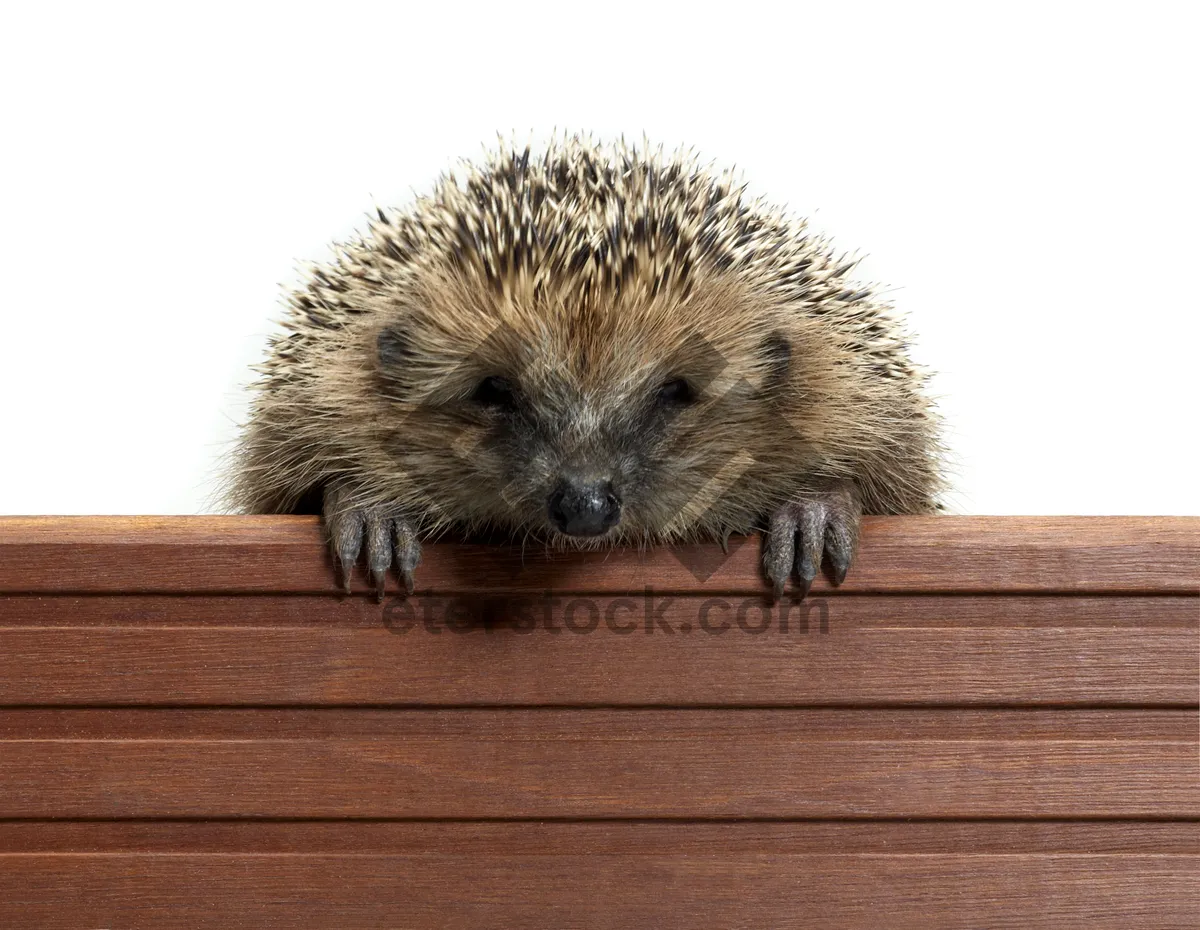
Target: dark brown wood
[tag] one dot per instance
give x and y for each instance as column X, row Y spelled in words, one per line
column 994, row 722
column 910, row 554
column 620, row 875
column 669, row 651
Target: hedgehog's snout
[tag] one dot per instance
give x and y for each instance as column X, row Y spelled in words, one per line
column 584, row 507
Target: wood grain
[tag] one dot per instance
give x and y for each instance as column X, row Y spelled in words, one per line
column 628, row 875
column 994, row 722
column 468, row 839
column 678, row 651
column 553, row 764
column 898, row 554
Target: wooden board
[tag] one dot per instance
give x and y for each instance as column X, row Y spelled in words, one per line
column 578, row 651
column 1050, row 875
column 489, row 764
column 995, row 722
column 54, row 555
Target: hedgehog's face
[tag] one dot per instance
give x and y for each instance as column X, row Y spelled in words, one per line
column 625, row 433
column 577, row 462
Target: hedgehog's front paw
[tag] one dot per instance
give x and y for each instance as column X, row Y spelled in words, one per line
column 387, row 537
column 821, row 521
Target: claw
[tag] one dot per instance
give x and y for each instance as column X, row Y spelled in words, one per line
column 407, row 553
column 379, row 551
column 841, row 540
column 821, row 522
column 346, row 533
column 811, row 527
column 777, row 590
column 781, row 550
column 386, row 538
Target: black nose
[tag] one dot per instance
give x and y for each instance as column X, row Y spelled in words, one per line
column 584, row 508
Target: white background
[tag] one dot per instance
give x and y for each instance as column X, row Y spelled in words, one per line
column 1023, row 177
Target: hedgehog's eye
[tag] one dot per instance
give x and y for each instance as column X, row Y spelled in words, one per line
column 675, row 393
column 495, row 392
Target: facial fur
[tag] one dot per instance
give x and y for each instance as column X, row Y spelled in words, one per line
column 604, row 318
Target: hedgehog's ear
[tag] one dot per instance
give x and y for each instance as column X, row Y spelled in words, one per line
column 776, row 353
column 393, row 348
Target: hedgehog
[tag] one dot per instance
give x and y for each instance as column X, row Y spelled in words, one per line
column 594, row 345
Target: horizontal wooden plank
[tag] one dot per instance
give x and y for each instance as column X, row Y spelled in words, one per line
column 601, row 837
column 598, row 764
column 541, row 724
column 907, row 554
column 667, row 651
column 618, row 875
